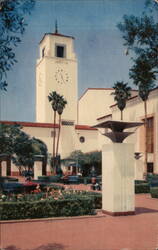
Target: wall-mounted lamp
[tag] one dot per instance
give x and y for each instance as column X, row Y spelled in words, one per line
column 137, row 155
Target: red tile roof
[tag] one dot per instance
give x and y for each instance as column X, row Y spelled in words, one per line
column 84, row 127
column 31, row 124
column 102, row 117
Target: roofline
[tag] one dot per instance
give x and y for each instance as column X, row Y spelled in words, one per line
column 84, row 127
column 45, row 125
column 115, row 104
column 31, row 124
column 55, row 34
column 93, row 89
column 102, row 117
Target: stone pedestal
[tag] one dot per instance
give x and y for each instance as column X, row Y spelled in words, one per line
column 4, row 168
column 118, row 179
column 139, row 167
column 37, row 169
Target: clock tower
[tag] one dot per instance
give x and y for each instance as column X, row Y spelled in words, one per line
column 56, row 70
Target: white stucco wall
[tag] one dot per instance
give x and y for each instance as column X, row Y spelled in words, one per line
column 91, row 140
column 134, row 111
column 93, row 104
column 49, row 78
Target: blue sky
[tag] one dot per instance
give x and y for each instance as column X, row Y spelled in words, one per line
column 98, row 46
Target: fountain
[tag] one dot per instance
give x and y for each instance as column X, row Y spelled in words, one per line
column 118, row 169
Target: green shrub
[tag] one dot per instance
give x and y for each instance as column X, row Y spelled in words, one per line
column 142, row 188
column 55, row 187
column 8, row 179
column 154, row 192
column 96, row 197
column 151, row 177
column 87, row 180
column 46, row 208
column 140, row 181
column 55, row 178
column 43, row 178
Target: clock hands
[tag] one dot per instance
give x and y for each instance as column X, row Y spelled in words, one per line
column 62, row 77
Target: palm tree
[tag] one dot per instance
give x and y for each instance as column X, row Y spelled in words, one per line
column 122, row 93
column 54, row 99
column 60, row 108
column 143, row 75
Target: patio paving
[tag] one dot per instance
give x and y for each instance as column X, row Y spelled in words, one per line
column 101, row 232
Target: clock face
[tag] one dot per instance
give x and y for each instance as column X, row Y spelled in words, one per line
column 61, row 76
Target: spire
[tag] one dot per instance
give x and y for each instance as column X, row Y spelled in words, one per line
column 56, row 27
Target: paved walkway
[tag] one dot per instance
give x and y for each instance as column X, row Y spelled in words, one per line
column 101, row 232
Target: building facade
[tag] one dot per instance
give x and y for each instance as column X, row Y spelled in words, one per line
column 56, row 70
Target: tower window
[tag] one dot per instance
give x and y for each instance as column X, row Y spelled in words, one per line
column 60, row 51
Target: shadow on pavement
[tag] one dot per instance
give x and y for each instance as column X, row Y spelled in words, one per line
column 142, row 210
column 54, row 246
column 11, row 248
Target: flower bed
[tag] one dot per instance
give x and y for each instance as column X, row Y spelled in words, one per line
column 46, row 208
column 53, row 203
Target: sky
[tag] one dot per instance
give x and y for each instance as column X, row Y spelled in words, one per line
column 98, row 46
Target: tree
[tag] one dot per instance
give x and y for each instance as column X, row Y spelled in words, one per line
column 12, row 27
column 60, row 109
column 85, row 161
column 141, row 37
column 54, row 98
column 19, row 146
column 26, row 149
column 143, row 76
column 8, row 135
column 122, row 93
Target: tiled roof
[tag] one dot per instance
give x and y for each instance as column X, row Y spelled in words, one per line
column 31, row 124
column 84, row 127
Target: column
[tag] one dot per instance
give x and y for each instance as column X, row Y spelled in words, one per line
column 37, row 169
column 118, row 179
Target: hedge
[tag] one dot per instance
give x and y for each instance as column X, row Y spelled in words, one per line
column 8, row 179
column 140, row 182
column 151, row 177
column 46, row 208
column 96, row 197
column 142, row 188
column 154, row 192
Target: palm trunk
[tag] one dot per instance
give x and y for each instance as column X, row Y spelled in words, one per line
column 54, row 140
column 146, row 151
column 0, row 168
column 121, row 115
column 58, row 135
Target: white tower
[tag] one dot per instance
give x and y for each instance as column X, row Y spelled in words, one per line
column 56, row 70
